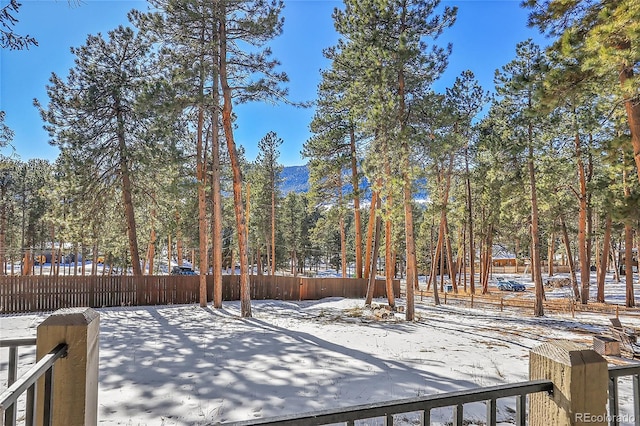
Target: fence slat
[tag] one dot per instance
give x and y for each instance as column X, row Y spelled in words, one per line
column 19, row 294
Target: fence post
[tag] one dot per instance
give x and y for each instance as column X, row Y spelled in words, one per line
column 580, row 385
column 75, row 378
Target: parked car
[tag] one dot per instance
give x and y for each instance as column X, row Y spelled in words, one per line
column 182, row 270
column 510, row 286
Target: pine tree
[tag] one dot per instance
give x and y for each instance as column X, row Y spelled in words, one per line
column 336, row 137
column 8, row 38
column 518, row 83
column 603, row 36
column 93, row 114
column 387, row 45
column 253, row 22
column 466, row 98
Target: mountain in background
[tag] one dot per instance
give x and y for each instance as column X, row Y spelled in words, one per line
column 296, row 179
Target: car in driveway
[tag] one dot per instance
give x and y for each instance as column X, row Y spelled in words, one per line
column 511, row 286
column 183, row 270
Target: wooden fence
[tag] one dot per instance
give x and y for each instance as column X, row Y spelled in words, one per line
column 48, row 293
column 501, row 301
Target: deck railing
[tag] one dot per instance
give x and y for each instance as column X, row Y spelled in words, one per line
column 577, row 396
column 422, row 405
column 615, row 418
column 73, row 335
column 12, row 372
column 27, row 383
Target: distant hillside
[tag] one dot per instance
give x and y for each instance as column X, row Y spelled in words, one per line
column 296, row 179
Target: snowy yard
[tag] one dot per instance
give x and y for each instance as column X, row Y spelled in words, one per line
column 184, row 365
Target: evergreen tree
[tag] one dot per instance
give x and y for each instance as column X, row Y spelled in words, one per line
column 603, row 37
column 8, row 38
column 292, row 222
column 93, row 115
column 387, row 45
column 518, row 83
column 6, row 134
column 268, row 193
column 466, row 98
column 251, row 22
column 188, row 31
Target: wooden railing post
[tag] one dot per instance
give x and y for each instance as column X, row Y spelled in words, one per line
column 75, row 378
column 580, row 379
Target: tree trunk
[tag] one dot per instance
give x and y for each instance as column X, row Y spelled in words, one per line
column 435, row 261
column 488, row 256
column 632, row 108
column 604, row 258
column 227, row 112
column 628, row 266
column 169, row 255
column 452, row 265
column 343, row 231
column 3, row 231
column 94, row 260
column 572, row 268
column 615, row 256
column 535, row 233
column 370, row 228
column 585, row 273
column 551, row 254
column 216, row 205
column 356, row 204
column 273, row 225
column 125, row 180
column 179, row 248
column 472, row 250
column 405, row 154
column 374, row 255
column 152, row 245
column 201, row 178
column 628, row 251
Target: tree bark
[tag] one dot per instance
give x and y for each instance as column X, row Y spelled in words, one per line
column 551, row 254
column 216, row 194
column 535, row 232
column 356, row 204
column 585, row 273
column 227, row 111
column 273, row 222
column 125, row 180
column 343, row 231
column 628, row 266
column 202, row 206
column 572, row 268
column 452, row 269
column 628, row 252
column 370, row 228
column 152, row 243
column 472, row 250
column 604, row 258
column 632, row 108
column 374, row 255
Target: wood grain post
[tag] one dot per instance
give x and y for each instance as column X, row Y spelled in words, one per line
column 75, row 377
column 580, row 385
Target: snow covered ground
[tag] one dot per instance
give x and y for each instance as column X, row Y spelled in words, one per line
column 185, row 365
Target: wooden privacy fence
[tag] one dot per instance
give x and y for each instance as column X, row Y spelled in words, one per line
column 48, row 293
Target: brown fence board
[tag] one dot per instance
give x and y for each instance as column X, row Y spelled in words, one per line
column 20, row 294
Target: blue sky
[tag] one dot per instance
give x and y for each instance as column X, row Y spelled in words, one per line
column 484, row 38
